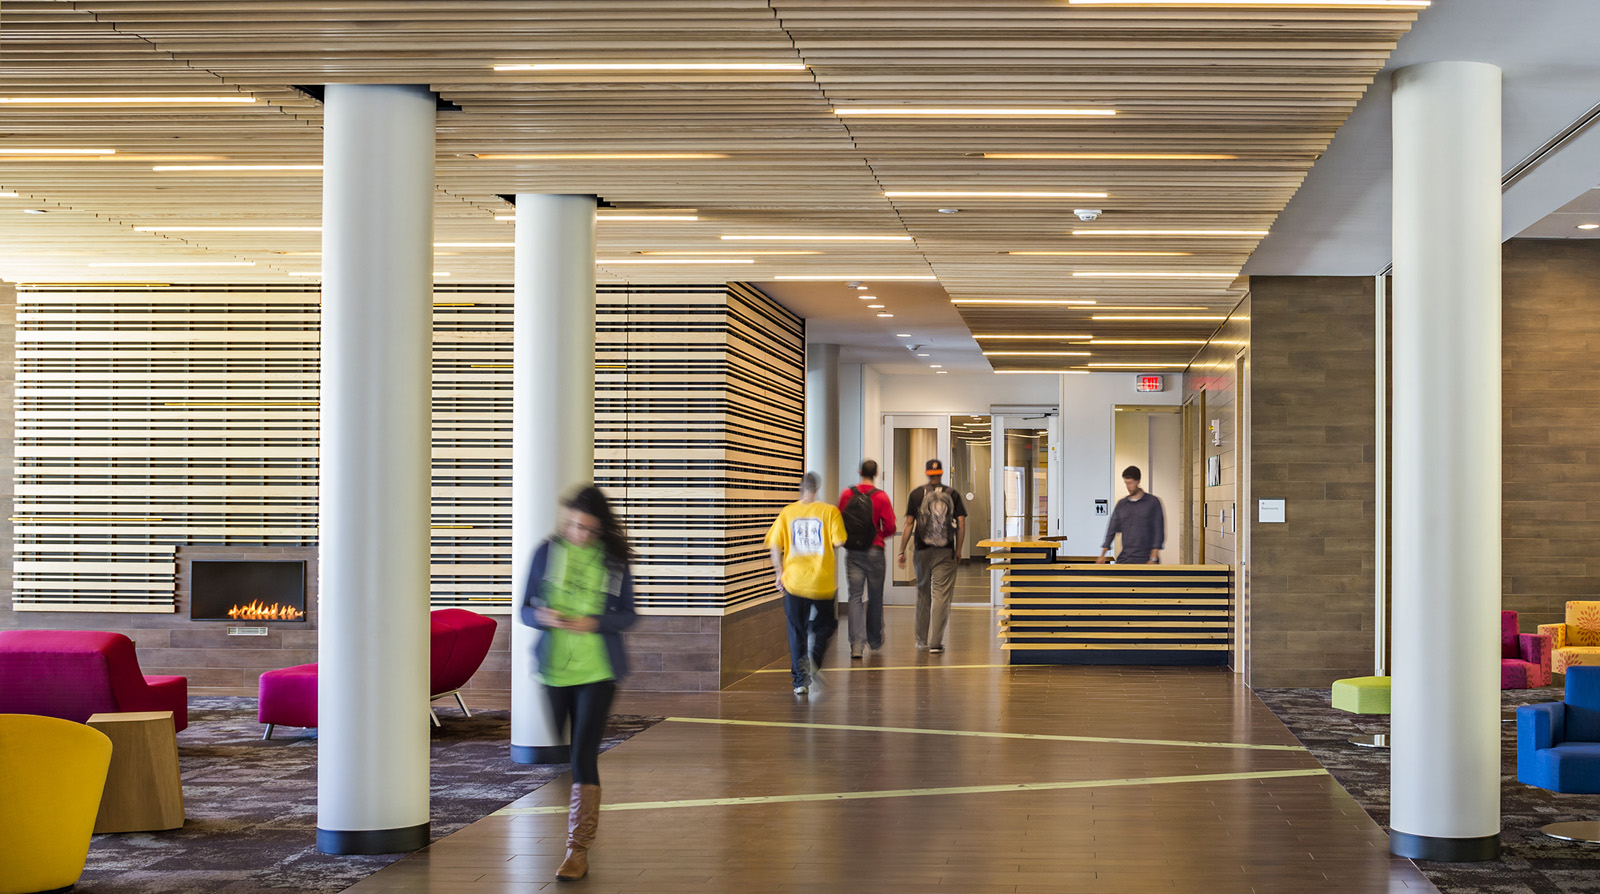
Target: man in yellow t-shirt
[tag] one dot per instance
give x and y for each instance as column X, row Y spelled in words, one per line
column 803, row 540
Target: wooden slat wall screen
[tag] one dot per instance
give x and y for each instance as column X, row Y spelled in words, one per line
column 156, row 417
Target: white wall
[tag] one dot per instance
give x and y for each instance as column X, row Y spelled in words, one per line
column 964, row 392
column 852, row 427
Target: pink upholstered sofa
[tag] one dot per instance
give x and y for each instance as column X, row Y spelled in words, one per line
column 1524, row 657
column 72, row 674
column 459, row 640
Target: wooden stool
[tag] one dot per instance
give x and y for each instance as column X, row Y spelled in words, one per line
column 144, row 792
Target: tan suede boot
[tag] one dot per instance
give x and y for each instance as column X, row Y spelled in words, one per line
column 583, row 819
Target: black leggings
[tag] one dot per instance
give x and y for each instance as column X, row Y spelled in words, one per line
column 582, row 710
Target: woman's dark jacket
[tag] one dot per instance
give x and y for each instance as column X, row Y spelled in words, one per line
column 618, row 616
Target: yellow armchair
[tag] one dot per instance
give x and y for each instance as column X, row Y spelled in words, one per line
column 52, row 773
column 1577, row 642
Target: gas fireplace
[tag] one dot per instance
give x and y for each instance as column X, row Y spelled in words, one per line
column 247, row 591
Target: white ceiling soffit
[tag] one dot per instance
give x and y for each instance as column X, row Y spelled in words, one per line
column 1338, row 223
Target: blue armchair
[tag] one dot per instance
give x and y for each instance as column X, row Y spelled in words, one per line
column 1558, row 747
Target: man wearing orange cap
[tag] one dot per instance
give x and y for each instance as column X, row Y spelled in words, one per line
column 936, row 518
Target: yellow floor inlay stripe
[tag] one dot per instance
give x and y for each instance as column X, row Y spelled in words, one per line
column 978, row 734
column 906, row 667
column 924, row 792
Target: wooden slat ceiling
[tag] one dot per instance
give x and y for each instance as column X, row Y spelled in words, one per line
column 1267, row 85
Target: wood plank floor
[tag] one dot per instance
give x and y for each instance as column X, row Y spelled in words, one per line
column 912, row 772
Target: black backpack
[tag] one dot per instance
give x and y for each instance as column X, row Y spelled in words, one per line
column 859, row 527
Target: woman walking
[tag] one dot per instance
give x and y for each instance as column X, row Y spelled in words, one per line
column 580, row 593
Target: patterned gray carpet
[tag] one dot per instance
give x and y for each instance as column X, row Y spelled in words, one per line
column 252, row 805
column 1530, row 863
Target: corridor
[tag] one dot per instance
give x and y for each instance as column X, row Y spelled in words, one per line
column 911, row 772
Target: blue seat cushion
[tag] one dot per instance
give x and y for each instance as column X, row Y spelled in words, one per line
column 1571, row 767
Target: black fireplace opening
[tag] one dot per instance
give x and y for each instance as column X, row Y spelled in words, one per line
column 247, row 591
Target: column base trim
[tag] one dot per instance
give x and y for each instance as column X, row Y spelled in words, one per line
column 540, row 754
column 372, row 841
column 1444, row 850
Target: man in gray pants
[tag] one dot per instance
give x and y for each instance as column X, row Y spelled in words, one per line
column 936, row 518
column 869, row 520
column 1138, row 518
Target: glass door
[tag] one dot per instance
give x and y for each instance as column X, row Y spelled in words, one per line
column 908, row 443
column 1022, row 480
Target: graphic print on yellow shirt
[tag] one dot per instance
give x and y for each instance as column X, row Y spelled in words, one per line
column 807, row 533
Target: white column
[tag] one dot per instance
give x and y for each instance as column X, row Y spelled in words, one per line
column 377, row 310
column 1445, row 764
column 552, row 434
column 822, row 417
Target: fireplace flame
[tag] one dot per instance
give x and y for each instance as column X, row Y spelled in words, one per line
column 256, row 610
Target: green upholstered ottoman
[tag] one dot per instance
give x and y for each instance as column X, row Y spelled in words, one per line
column 1362, row 695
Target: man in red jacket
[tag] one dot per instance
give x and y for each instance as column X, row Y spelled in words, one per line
column 868, row 523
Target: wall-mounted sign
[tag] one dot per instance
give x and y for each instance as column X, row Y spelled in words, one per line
column 1100, row 507
column 1145, row 384
column 1269, row 512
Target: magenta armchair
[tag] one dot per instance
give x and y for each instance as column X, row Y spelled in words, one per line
column 458, row 642
column 1524, row 657
column 72, row 674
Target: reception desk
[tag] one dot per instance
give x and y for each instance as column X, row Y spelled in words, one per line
column 1061, row 609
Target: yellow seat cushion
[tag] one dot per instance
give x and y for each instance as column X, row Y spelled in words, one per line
column 1561, row 659
column 52, row 773
column 1362, row 695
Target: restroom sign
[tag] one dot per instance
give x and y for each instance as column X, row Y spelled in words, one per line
column 1145, row 384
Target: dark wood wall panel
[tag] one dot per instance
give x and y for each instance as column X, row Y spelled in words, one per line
column 1312, row 413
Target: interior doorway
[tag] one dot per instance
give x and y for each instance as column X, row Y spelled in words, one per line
column 909, row 441
column 1151, row 438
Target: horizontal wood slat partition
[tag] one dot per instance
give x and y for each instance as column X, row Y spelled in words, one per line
column 1219, row 112
column 1065, row 612
column 152, row 419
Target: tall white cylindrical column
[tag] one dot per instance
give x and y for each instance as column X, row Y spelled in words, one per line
column 822, row 417
column 552, row 430
column 1445, row 765
column 377, row 322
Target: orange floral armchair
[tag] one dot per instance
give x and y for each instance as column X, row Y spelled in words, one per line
column 1577, row 642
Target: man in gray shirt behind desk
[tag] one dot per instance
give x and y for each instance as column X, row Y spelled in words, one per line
column 1138, row 518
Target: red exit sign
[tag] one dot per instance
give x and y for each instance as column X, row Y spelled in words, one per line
column 1146, row 384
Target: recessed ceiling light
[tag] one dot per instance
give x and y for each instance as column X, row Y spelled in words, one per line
column 885, row 315
column 875, row 306
column 172, row 264
column 902, row 112
column 1169, row 232
column 1137, row 365
column 654, row 66
column 1105, row 254
column 173, row 168
column 1148, row 341
column 802, row 237
column 1036, row 354
column 1032, row 336
column 436, row 273
column 942, row 372
column 125, row 100
column 640, row 217
column 1022, row 302
column 1152, row 274
column 8, row 195
column 611, row 261
column 936, row 366
column 868, row 297
column 1054, row 372
column 831, row 277
column 227, row 229
column 972, row 194
column 595, row 156
column 1111, row 156
column 861, row 288
column 1112, row 318
column 924, row 355
column 34, row 211
column 718, row 252
column 12, row 152
column 902, row 335
column 1589, row 226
